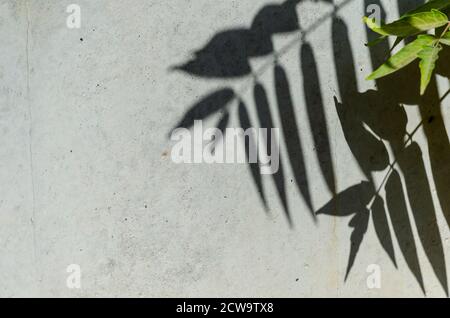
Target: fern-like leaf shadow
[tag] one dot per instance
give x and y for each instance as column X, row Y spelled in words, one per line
column 370, row 121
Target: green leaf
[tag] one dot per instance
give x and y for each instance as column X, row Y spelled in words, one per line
column 441, row 5
column 410, row 25
column 445, row 39
column 403, row 57
column 376, row 41
column 430, row 5
column 372, row 24
column 429, row 55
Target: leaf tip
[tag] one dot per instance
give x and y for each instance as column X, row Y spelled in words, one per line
column 175, row 68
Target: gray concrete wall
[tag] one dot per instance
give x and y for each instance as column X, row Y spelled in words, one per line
column 87, row 177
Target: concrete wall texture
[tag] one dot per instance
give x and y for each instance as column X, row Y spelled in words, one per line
column 87, row 177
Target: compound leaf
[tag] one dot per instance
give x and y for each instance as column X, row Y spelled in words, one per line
column 403, row 57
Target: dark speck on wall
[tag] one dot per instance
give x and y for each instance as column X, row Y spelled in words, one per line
column 81, row 39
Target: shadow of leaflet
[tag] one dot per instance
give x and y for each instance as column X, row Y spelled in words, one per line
column 291, row 134
column 316, row 114
column 245, row 122
column 419, row 194
column 266, row 121
column 352, row 201
column 398, row 213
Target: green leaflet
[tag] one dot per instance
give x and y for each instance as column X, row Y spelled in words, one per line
column 376, row 41
column 429, row 55
column 445, row 39
column 410, row 24
column 441, row 5
column 403, row 57
column 430, row 5
column 372, row 24
column 432, row 15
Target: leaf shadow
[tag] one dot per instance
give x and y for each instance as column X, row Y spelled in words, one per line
column 370, row 121
column 266, row 121
column 291, row 134
column 245, row 122
column 227, row 54
column 316, row 115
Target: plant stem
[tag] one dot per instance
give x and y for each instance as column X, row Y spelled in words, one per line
column 445, row 30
